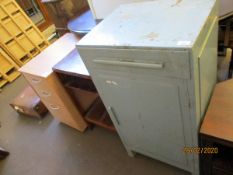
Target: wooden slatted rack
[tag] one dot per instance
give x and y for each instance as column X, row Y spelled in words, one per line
column 8, row 69
column 20, row 38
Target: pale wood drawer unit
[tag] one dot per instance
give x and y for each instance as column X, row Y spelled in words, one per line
column 46, row 84
column 54, row 96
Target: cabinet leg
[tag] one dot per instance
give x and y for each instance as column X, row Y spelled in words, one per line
column 130, row 153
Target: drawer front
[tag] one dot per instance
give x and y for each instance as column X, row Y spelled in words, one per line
column 35, row 81
column 45, row 86
column 160, row 62
column 59, row 112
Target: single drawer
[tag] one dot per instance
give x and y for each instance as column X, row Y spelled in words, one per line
column 50, row 84
column 65, row 116
column 60, row 113
column 52, row 98
column 34, row 80
column 157, row 62
column 46, row 94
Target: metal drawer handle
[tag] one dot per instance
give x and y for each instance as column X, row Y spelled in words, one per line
column 131, row 64
column 35, row 81
column 54, row 107
column 113, row 114
column 46, row 94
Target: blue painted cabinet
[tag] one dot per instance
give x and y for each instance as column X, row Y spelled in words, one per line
column 155, row 65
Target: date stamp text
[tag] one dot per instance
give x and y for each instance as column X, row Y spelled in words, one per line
column 200, row 150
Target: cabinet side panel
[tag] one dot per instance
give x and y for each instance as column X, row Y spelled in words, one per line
column 208, row 69
column 195, row 85
column 204, row 53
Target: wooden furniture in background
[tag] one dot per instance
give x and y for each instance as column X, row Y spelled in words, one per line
column 225, row 39
column 28, row 4
column 74, row 76
column 58, row 15
column 217, row 131
column 41, row 77
column 20, row 38
column 29, row 104
column 62, row 11
column 8, row 69
column 82, row 24
column 225, row 9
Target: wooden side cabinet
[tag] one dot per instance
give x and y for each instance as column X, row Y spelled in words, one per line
column 216, row 132
column 76, row 79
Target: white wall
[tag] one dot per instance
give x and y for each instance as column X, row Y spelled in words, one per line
column 226, row 7
column 102, row 8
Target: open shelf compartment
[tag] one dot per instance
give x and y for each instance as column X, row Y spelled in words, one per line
column 98, row 115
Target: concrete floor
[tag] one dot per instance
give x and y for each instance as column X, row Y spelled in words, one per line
column 46, row 147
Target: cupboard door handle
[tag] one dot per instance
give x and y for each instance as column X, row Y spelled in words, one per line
column 35, row 81
column 53, row 107
column 113, row 114
column 45, row 94
column 131, row 64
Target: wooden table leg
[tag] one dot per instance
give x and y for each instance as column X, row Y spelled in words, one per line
column 205, row 159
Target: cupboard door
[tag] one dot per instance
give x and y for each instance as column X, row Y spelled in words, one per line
column 148, row 114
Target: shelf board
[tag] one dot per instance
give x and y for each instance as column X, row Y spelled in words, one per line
column 28, row 27
column 2, row 82
column 3, row 18
column 34, row 53
column 44, row 45
column 13, row 13
column 19, row 34
column 24, row 59
column 13, row 75
column 6, row 68
column 8, row 40
column 99, row 116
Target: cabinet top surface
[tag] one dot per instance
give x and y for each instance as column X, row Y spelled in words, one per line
column 72, row 65
column 157, row 23
column 43, row 63
column 218, row 121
